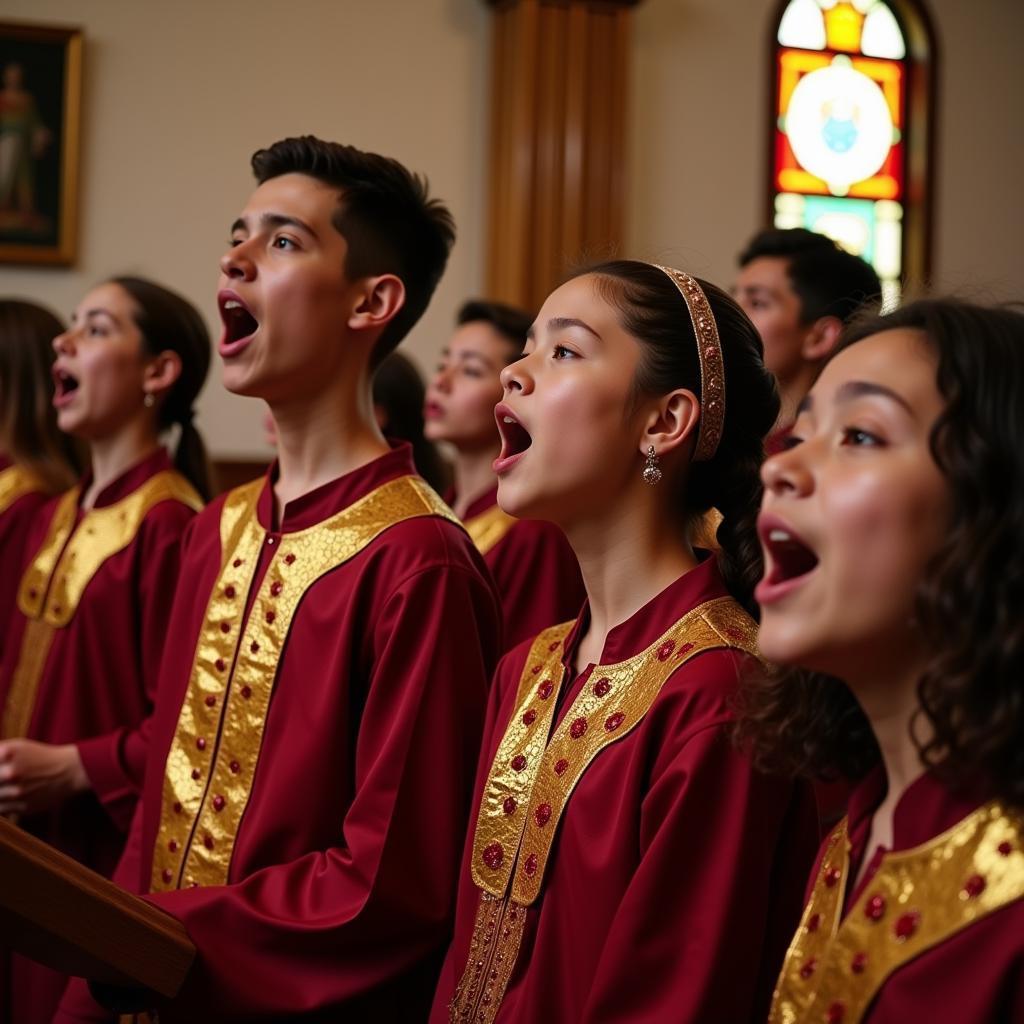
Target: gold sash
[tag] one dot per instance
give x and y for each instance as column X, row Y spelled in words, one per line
column 15, row 483
column 489, row 527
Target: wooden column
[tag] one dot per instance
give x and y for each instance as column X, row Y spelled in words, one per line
column 558, row 141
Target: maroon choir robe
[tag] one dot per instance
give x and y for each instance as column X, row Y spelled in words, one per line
column 82, row 652
column 626, row 863
column 533, row 566
column 313, row 750
column 21, row 498
column 934, row 928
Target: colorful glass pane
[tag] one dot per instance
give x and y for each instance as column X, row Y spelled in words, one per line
column 802, row 25
column 882, row 36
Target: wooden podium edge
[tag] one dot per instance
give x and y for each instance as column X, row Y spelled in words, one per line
column 57, row 911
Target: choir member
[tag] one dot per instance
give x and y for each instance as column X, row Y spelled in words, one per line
column 531, row 561
column 321, row 701
column 84, row 644
column 893, row 531
column 36, row 459
column 625, row 860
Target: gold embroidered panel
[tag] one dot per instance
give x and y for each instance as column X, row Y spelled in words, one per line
column 532, row 778
column 917, row 899
column 16, row 482
column 212, row 762
column 52, row 585
column 486, row 529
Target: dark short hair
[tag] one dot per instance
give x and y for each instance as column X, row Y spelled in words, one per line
column 385, row 214
column 828, row 280
column 511, row 323
column 970, row 595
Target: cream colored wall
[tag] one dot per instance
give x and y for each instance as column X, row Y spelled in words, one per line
column 698, row 152
column 179, row 95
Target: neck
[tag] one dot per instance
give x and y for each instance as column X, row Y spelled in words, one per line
column 110, row 457
column 472, row 476
column 628, row 554
column 323, row 437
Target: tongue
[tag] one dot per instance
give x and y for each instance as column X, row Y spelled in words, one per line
column 240, row 324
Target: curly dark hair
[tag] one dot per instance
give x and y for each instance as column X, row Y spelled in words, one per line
column 653, row 311
column 969, row 601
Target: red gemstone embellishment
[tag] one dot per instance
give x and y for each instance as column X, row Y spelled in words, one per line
column 196, row 774
column 510, row 805
column 578, row 728
column 210, row 701
column 208, row 842
column 167, row 876
column 229, row 591
column 535, row 669
column 200, row 743
column 859, row 963
column 276, row 587
column 1005, row 848
column 808, row 968
column 530, row 717
column 493, row 855
column 218, row 803
column 519, row 762
column 974, row 886
column 289, row 558
column 545, row 688
column 813, row 921
column 254, row 647
column 530, row 866
column 177, row 807
column 685, row 649
column 219, row 665
column 560, row 765
column 602, row 687
column 874, row 909
column 831, row 875
column 612, row 722
column 235, row 767
column 554, row 646
column 246, row 692
column 543, row 814
column 836, row 1013
column 225, row 627
column 237, row 562
column 734, row 634
column 665, row 650
column 906, row 925
column 271, row 615
column 172, row 845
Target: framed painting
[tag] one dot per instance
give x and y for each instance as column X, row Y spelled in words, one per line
column 40, row 122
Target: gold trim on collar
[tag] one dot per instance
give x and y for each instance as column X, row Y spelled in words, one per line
column 533, row 777
column 489, row 527
column 69, row 557
column 15, row 483
column 212, row 762
column 918, row 898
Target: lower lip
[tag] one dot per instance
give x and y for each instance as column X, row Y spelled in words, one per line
column 503, row 465
column 230, row 349
column 432, row 412
column 59, row 401
column 767, row 593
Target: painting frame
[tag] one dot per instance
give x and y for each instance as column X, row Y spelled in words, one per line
column 40, row 134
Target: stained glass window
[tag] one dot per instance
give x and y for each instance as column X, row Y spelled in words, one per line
column 840, row 161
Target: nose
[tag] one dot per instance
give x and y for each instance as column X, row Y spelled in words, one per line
column 237, row 264
column 517, row 377
column 788, row 472
column 442, row 380
column 64, row 343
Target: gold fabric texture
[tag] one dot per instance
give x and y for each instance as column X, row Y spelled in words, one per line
column 712, row 365
column 917, row 899
column 532, row 777
column 15, row 482
column 212, row 762
column 52, row 585
column 486, row 529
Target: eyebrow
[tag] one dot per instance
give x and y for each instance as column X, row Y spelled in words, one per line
column 90, row 313
column 853, row 389
column 560, row 323
column 271, row 221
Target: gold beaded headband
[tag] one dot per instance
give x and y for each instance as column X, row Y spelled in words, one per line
column 712, row 365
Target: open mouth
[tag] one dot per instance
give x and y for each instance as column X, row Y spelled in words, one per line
column 239, row 323
column 64, row 386
column 515, row 438
column 788, row 559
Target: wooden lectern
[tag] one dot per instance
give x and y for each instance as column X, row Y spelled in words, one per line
column 54, row 910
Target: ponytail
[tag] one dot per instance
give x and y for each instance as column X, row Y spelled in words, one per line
column 191, row 460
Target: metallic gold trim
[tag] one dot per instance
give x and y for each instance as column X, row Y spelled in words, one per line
column 489, row 527
column 15, row 483
column 212, row 762
column 69, row 557
column 712, row 364
column 532, row 779
column 917, row 899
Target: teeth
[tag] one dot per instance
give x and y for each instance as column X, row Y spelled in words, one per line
column 780, row 536
column 509, row 419
column 232, row 304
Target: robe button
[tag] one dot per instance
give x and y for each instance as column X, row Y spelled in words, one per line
column 665, row 650
column 200, row 743
column 874, row 909
column 519, row 762
column 270, row 616
column 578, row 728
column 614, row 721
column 208, row 841
column 254, row 647
column 530, row 866
column 509, row 806
column 166, row 875
column 195, row 774
column 974, row 886
column 237, row 562
column 211, row 701
column 235, row 767
column 289, row 558
column 602, row 687
column 219, row 665
column 836, row 1013
column 172, row 845
column 545, row 688
column 859, row 963
column 1005, row 848
column 542, row 815
column 225, row 627
column 218, row 803
column 270, row 541
column 831, row 875
column 554, row 646
column 906, row 925
column 276, row 587
column 493, row 855
column 530, row 717
column 229, row 591
column 177, row 807
column 808, row 968
column 246, row 692
column 813, row 921
column 560, row 766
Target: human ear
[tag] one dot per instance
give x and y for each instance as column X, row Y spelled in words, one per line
column 672, row 423
column 379, row 303
column 160, row 373
column 821, row 339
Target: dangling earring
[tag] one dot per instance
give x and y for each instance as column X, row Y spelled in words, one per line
column 148, row 400
column 652, row 474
